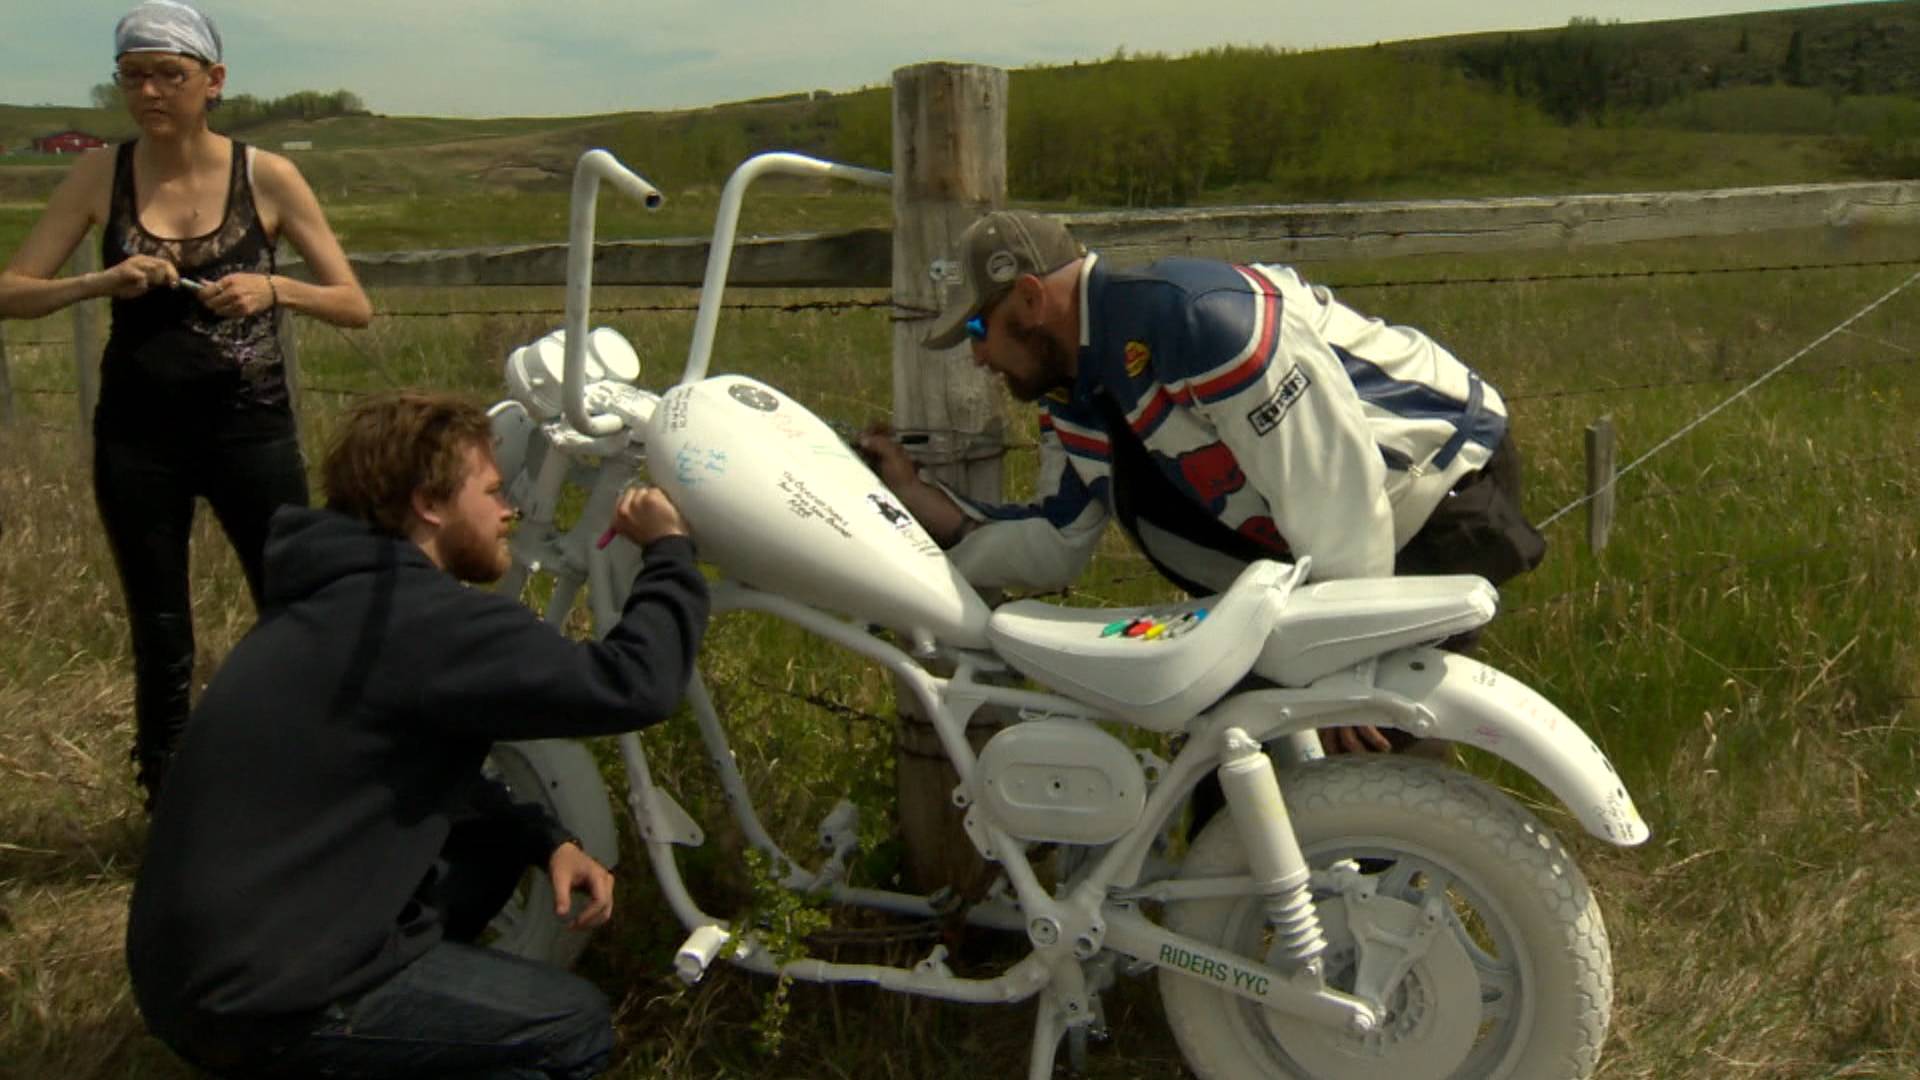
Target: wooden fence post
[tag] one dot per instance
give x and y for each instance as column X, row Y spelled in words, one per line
column 1600, row 482
column 87, row 344
column 949, row 167
column 6, row 382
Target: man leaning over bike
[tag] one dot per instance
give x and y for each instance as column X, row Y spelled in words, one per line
column 1220, row 413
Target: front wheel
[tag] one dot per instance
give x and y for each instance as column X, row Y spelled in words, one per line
column 1515, row 985
column 561, row 776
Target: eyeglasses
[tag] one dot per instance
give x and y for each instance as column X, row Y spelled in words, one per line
column 977, row 326
column 168, row 77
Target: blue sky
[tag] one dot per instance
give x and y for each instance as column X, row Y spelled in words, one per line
column 573, row 57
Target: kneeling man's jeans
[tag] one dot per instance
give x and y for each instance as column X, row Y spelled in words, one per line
column 461, row 1011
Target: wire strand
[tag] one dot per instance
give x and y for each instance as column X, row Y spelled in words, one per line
column 1736, row 396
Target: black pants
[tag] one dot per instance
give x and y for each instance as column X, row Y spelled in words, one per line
column 1479, row 527
column 146, row 498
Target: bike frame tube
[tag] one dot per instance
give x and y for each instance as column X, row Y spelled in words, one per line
column 1017, row 983
column 1134, row 935
column 1124, row 930
column 602, row 592
column 593, row 167
column 729, row 597
column 1119, row 865
column 727, row 220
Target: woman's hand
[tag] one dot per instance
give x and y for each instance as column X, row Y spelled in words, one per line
column 136, row 274
column 239, row 295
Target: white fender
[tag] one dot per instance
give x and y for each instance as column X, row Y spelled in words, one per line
column 562, row 775
column 1474, row 704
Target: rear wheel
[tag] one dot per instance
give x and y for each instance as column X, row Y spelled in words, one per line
column 561, row 776
column 1515, row 985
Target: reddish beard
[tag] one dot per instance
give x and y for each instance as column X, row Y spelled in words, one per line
column 472, row 555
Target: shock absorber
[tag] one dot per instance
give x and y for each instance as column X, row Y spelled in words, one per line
column 1274, row 859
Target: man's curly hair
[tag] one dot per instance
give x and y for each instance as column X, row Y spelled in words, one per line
column 392, row 445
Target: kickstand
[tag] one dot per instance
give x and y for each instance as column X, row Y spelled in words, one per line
column 1048, row 1026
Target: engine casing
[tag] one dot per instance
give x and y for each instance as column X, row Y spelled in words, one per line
column 1064, row 781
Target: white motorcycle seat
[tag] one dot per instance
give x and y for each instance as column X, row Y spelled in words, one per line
column 1159, row 681
column 1331, row 625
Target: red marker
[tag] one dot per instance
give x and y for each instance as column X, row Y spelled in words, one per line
column 605, row 539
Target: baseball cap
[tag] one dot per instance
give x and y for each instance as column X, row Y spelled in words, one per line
column 994, row 252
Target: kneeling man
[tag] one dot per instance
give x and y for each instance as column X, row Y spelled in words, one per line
column 327, row 849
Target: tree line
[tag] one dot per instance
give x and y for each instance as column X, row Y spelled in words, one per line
column 238, row 112
column 1594, row 73
column 1153, row 130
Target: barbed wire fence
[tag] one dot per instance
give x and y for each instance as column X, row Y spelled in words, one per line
column 1139, row 570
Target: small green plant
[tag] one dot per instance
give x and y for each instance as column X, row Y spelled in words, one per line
column 781, row 920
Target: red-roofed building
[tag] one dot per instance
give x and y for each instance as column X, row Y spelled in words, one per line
column 67, row 142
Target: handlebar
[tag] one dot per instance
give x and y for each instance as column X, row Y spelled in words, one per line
column 593, row 167
column 720, row 254
column 596, row 165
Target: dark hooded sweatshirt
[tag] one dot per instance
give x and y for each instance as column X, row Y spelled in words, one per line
column 292, row 855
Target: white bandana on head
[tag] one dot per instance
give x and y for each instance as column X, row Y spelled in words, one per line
column 167, row 26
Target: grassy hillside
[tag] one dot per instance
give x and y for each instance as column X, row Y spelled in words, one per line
column 1785, row 97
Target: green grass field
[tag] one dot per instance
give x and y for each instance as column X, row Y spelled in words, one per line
column 1744, row 650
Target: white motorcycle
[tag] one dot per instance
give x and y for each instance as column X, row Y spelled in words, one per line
column 1361, row 918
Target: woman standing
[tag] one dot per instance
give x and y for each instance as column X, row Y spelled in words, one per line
column 193, row 394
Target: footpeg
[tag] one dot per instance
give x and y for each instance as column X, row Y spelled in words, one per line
column 698, row 951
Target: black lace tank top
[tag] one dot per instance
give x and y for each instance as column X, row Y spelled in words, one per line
column 172, row 369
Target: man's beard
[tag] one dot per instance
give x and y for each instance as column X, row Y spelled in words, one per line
column 1052, row 364
column 472, row 556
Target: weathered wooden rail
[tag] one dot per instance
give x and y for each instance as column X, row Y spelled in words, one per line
column 863, row 258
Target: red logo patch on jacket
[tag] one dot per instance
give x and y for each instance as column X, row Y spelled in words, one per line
column 1261, row 531
column 1212, row 472
column 1137, row 355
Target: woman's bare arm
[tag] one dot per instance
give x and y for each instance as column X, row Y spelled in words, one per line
column 289, row 208
column 30, row 287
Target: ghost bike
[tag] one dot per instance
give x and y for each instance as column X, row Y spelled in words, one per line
column 1343, row 919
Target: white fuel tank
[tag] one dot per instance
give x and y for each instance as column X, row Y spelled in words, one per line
column 777, row 500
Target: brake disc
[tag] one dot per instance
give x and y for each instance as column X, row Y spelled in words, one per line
column 1428, row 985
